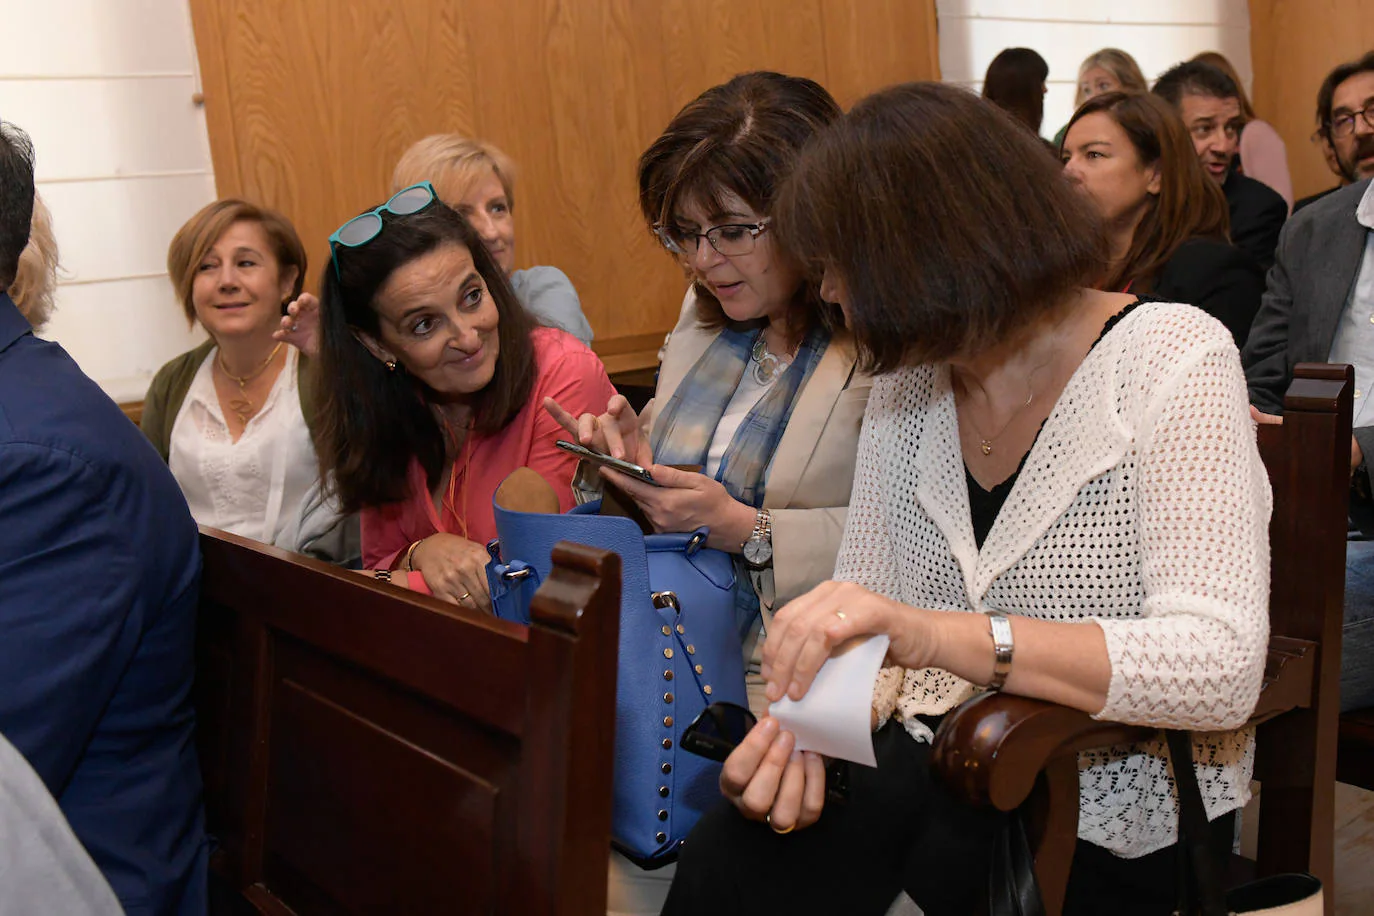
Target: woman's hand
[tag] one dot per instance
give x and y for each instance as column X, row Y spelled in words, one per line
column 768, row 781
column 455, row 569
column 300, row 326
column 616, row 432
column 808, row 630
column 686, row 501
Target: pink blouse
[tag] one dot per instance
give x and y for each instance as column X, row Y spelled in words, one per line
column 566, row 371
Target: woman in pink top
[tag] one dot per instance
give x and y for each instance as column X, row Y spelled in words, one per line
column 435, row 380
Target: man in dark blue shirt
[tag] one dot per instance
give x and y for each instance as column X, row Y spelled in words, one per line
column 99, row 575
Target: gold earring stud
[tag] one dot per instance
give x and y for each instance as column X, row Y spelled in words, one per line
column 390, row 365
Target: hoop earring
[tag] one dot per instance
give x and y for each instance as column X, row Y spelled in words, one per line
column 390, row 365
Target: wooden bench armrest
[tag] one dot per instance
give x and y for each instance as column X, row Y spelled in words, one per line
column 991, row 749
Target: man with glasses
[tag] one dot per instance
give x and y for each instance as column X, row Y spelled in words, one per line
column 1208, row 101
column 1319, row 307
column 1345, row 123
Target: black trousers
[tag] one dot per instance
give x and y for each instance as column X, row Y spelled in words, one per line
column 900, row 830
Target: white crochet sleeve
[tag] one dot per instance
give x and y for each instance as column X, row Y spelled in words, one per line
column 866, row 555
column 1194, row 659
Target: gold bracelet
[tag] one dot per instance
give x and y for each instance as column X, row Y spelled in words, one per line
column 410, row 555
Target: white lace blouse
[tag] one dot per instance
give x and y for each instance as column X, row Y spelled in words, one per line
column 1143, row 506
column 265, row 486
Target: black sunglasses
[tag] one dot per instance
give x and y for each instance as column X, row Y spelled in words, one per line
column 719, row 728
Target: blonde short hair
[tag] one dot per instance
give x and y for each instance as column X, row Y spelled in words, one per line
column 1119, row 64
column 453, row 164
column 202, row 231
column 35, row 282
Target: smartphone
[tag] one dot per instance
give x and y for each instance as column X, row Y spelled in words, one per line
column 615, row 464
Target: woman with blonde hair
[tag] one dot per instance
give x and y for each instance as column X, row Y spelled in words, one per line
column 1262, row 155
column 1107, row 70
column 36, row 281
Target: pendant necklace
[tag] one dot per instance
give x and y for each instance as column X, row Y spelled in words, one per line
column 985, row 442
column 243, row 405
column 766, row 366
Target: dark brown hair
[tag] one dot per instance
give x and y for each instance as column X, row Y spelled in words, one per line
column 1218, row 60
column 740, row 137
column 1327, row 93
column 201, row 232
column 1015, row 81
column 1189, row 203
column 949, row 226
column 372, row 421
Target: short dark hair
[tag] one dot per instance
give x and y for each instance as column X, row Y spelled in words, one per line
column 1015, row 81
column 373, row 422
column 16, row 199
column 740, row 137
column 1327, row 93
column 949, row 226
column 1193, row 77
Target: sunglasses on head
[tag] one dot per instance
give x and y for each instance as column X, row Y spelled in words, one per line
column 719, row 728
column 365, row 227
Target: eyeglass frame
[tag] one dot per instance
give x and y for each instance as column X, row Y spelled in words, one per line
column 1367, row 113
column 755, row 230
column 336, row 240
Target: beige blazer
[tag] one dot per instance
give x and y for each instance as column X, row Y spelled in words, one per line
column 812, row 471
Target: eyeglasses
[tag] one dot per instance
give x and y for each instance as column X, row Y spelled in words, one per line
column 1344, row 125
column 719, row 728
column 365, row 227
column 731, row 240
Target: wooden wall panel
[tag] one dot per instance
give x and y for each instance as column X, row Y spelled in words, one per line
column 1293, row 45
column 310, row 103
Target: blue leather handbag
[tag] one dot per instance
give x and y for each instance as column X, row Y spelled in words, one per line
column 679, row 651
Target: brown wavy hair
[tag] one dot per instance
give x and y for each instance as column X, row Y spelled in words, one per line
column 950, row 228
column 740, row 137
column 1189, row 204
column 35, row 280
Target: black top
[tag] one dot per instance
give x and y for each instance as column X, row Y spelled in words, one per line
column 984, row 505
column 1257, row 215
column 1218, row 278
column 1313, row 198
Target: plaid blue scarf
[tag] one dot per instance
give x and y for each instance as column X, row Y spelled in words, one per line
column 684, row 429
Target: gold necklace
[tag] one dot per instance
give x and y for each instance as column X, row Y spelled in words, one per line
column 985, row 442
column 243, row 405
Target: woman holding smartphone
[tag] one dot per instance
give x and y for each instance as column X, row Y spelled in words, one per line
column 759, row 385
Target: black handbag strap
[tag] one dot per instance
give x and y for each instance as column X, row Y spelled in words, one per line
column 1201, row 888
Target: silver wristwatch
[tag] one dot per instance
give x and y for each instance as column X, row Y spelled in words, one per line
column 758, row 550
column 1001, row 649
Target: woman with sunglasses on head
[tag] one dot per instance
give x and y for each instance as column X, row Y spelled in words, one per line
column 1166, row 220
column 437, row 376
column 758, row 385
column 478, row 180
column 233, row 417
column 1058, row 494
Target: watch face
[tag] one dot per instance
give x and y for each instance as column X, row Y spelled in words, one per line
column 757, row 551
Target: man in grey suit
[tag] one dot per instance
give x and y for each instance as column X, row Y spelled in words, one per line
column 1319, row 307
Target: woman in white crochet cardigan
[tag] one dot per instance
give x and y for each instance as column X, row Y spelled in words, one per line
column 1075, row 467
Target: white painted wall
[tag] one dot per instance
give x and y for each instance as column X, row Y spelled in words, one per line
column 104, row 88
column 1157, row 33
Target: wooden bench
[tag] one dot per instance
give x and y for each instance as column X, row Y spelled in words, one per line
column 1009, row 751
column 369, row 750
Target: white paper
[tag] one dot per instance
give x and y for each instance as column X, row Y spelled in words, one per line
column 834, row 717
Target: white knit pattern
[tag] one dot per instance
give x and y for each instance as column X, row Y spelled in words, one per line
column 1143, row 506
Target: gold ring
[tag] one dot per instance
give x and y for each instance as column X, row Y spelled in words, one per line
column 768, row 819
column 840, row 614
column 464, row 596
